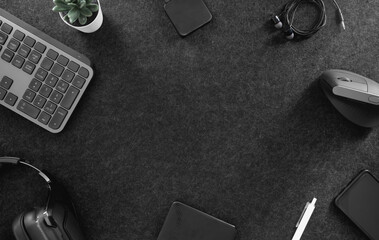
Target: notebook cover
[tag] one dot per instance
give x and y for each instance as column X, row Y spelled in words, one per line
column 186, row 223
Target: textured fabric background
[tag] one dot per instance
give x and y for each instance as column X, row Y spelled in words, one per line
column 229, row 120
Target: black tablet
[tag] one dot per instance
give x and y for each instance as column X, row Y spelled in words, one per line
column 360, row 202
column 186, row 223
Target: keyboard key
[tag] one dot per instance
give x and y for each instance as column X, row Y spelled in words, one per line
column 7, row 55
column 18, row 61
column 13, row 45
column 41, row 74
column 45, row 91
column 29, row 95
column 50, row 107
column 78, row 81
column 6, row 28
column 24, row 51
column 57, row 69
column 10, row 99
column 29, row 67
column 62, row 60
column 68, row 75
column 18, row 35
column 34, row 57
column 47, row 64
column 73, row 66
column 83, row 72
column 6, row 82
column 62, row 86
column 29, row 41
column 58, row 118
column 51, row 80
column 56, row 97
column 35, row 85
column 3, row 38
column 28, row 109
column 44, row 118
column 40, row 47
column 39, row 101
column 2, row 93
column 52, row 54
column 70, row 97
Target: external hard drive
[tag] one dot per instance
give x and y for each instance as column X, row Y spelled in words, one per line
column 187, row 15
column 186, row 223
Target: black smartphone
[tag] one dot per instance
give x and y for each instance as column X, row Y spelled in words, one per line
column 360, row 202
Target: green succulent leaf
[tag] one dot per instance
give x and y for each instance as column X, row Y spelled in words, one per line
column 66, row 18
column 85, row 12
column 61, row 8
column 82, row 20
column 78, row 10
column 93, row 7
column 73, row 15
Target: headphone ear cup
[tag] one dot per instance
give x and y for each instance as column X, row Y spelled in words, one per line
column 65, row 219
column 32, row 226
column 18, row 228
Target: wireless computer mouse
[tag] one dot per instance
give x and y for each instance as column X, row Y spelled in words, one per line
column 354, row 96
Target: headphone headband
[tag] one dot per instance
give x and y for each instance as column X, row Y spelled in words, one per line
column 9, row 160
column 16, row 161
column 57, row 193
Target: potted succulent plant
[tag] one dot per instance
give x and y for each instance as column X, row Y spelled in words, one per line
column 83, row 15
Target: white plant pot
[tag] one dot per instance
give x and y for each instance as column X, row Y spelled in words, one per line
column 89, row 28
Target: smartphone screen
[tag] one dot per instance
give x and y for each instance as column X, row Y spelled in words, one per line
column 360, row 202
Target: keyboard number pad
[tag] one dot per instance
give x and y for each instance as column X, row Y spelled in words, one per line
column 45, row 91
column 35, row 85
column 54, row 88
column 50, row 107
column 39, row 101
column 44, row 118
column 28, row 109
column 29, row 95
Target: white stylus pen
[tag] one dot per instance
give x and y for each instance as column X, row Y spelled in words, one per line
column 304, row 218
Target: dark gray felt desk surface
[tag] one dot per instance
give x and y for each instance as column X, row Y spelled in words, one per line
column 228, row 120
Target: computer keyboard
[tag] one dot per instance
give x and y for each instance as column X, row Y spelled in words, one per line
column 41, row 79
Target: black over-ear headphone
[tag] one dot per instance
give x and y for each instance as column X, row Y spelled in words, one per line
column 55, row 221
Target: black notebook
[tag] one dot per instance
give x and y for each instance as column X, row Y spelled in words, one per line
column 186, row 223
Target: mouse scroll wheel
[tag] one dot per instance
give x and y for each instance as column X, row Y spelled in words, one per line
column 345, row 79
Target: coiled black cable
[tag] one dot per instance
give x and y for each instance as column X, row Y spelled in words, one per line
column 289, row 12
